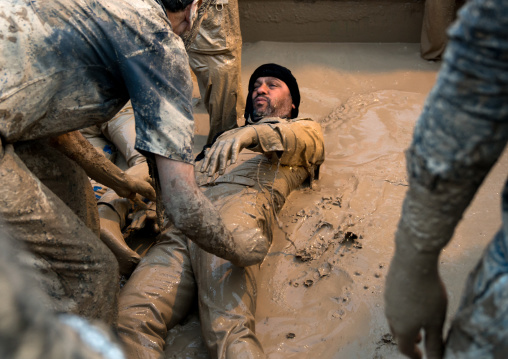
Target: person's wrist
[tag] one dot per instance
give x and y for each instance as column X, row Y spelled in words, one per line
column 253, row 136
column 414, row 260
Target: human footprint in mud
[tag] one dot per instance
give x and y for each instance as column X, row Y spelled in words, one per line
column 248, row 193
column 461, row 133
column 71, row 64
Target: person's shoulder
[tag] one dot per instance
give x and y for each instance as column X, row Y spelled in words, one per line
column 139, row 16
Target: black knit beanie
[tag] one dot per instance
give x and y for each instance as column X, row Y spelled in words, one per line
column 281, row 73
column 176, row 5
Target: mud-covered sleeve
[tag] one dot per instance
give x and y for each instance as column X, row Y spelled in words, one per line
column 297, row 143
column 154, row 67
column 463, row 128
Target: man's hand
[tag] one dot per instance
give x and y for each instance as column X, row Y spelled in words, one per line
column 111, row 235
column 226, row 148
column 142, row 216
column 132, row 185
column 415, row 299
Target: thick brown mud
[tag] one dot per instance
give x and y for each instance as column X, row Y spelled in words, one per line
column 320, row 291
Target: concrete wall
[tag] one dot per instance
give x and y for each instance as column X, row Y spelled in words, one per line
column 331, row 20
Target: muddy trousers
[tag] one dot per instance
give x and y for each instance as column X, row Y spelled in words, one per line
column 62, row 252
column 163, row 288
column 438, row 15
column 219, row 80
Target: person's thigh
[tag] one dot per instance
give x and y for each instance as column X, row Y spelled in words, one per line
column 227, row 293
column 227, row 305
column 75, row 268
column 63, row 177
column 480, row 327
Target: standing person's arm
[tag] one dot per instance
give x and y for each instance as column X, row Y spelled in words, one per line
column 191, row 212
column 154, row 67
column 98, row 167
column 461, row 133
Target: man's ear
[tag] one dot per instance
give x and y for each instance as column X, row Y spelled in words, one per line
column 189, row 13
column 293, row 106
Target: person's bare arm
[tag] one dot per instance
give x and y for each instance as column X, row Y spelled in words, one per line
column 192, row 213
column 96, row 166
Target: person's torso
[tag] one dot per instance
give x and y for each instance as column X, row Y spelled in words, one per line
column 61, row 62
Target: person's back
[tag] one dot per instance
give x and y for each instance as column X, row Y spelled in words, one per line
column 70, row 64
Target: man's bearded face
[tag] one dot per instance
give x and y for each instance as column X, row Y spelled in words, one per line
column 271, row 98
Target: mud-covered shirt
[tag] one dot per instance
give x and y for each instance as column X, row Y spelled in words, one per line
column 70, row 64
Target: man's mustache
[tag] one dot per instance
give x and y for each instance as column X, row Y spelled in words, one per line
column 262, row 96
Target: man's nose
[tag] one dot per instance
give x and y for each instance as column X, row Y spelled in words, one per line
column 262, row 89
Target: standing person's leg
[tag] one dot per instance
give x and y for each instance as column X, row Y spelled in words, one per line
column 121, row 131
column 79, row 273
column 156, row 297
column 33, row 330
column 63, row 177
column 215, row 59
column 438, row 15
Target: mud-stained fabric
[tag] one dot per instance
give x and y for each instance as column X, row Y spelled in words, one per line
column 50, row 166
column 296, row 142
column 226, row 308
column 70, row 64
column 30, row 330
column 461, row 133
column 215, row 59
column 480, row 328
column 73, row 266
column 121, row 131
column 437, row 17
column 156, row 297
column 248, row 196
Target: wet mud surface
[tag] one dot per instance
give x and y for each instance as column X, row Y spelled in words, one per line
column 320, row 291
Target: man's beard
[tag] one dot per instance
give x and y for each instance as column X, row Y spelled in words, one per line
column 275, row 110
column 266, row 111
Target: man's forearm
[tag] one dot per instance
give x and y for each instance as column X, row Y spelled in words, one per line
column 96, row 166
column 192, row 213
column 429, row 217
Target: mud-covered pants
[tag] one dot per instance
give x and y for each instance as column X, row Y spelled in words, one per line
column 47, row 204
column 164, row 285
column 438, row 15
column 215, row 59
column 161, row 290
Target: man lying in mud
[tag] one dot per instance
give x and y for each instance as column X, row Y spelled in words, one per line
column 71, row 64
column 249, row 193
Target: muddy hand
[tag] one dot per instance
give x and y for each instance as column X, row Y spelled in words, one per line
column 226, row 149
column 134, row 185
column 415, row 300
column 112, row 236
column 141, row 217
